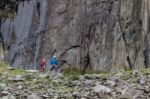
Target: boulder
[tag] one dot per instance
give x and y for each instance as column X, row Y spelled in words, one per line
column 34, row 96
column 3, row 85
column 19, row 78
column 102, row 89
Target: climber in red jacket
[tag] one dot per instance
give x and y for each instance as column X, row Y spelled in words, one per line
column 42, row 65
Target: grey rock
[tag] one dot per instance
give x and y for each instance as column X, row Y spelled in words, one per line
column 19, row 87
column 147, row 88
column 89, row 77
column 19, row 78
column 43, row 75
column 45, row 96
column 143, row 80
column 76, row 82
column 88, row 82
column 101, row 89
column 132, row 91
column 32, row 71
column 4, row 93
column 111, row 83
column 34, row 96
column 3, row 85
column 8, row 97
column 57, row 76
column 75, row 93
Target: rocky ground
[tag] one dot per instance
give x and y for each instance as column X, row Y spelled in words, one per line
column 34, row 85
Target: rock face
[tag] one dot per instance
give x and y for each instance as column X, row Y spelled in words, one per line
column 105, row 34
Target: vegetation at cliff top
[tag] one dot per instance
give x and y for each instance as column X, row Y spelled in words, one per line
column 8, row 8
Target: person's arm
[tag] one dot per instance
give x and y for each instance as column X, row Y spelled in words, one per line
column 58, row 62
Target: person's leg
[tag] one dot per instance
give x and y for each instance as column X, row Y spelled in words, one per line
column 53, row 67
column 56, row 68
column 41, row 68
column 44, row 69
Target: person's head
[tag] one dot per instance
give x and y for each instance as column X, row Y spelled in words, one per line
column 54, row 56
column 43, row 60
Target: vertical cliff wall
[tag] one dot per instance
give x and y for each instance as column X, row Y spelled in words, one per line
column 104, row 34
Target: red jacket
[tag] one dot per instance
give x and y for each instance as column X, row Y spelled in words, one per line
column 43, row 63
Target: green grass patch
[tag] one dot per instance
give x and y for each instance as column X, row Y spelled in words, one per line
column 3, row 67
column 1, row 53
column 126, row 68
column 17, row 72
column 73, row 71
column 146, row 71
column 73, row 77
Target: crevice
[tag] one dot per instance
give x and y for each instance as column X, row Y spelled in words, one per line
column 72, row 47
column 129, row 62
column 146, row 52
column 13, row 59
column 91, row 32
column 42, row 7
column 16, row 8
column 1, row 36
column 85, row 37
column 2, row 40
column 126, row 45
column 87, row 61
column 149, row 24
column 124, row 39
column 38, row 8
column 8, row 47
column 52, row 54
column 62, row 61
